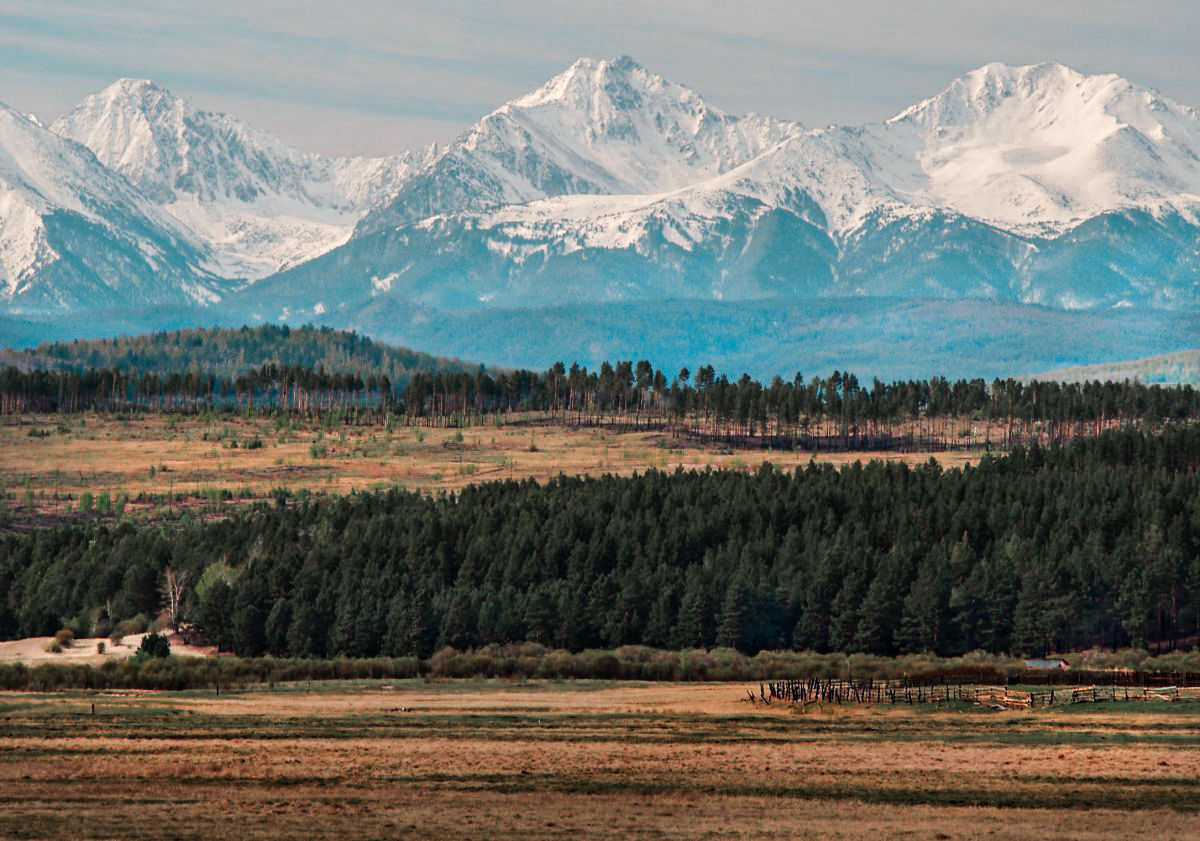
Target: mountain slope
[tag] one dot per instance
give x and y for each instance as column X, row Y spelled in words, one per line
column 260, row 204
column 76, row 236
column 889, row 337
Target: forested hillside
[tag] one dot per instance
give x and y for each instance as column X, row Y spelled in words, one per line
column 1095, row 543
column 1181, row 367
column 226, row 353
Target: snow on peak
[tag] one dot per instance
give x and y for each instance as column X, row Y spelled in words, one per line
column 584, row 78
column 602, row 126
column 630, row 130
column 262, row 204
column 1033, row 150
column 1044, row 146
column 50, row 185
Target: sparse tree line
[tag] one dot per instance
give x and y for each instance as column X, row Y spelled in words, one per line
column 819, row 413
column 835, row 412
column 1096, row 543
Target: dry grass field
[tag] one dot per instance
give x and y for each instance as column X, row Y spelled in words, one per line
column 35, row 650
column 583, row 760
column 51, row 461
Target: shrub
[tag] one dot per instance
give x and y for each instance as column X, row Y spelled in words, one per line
column 65, row 638
column 101, row 647
column 606, row 667
column 127, row 627
column 155, row 645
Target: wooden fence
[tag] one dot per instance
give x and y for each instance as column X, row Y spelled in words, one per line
column 905, row 691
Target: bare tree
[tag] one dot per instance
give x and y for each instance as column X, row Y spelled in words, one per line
column 173, row 589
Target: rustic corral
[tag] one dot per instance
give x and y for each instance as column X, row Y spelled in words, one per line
column 975, row 689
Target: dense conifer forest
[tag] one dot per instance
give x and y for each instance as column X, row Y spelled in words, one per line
column 1045, row 548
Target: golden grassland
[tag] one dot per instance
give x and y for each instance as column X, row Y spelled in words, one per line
column 595, row 760
column 156, row 456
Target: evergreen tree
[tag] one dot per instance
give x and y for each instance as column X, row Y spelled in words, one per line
column 734, row 627
column 924, row 623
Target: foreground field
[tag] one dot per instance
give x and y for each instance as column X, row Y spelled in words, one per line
column 564, row 760
column 157, row 462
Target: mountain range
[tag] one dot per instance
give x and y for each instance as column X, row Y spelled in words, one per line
column 1034, row 192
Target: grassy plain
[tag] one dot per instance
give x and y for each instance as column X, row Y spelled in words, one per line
column 595, row 760
column 51, row 461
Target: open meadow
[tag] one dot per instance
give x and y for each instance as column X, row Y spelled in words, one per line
column 155, row 462
column 568, row 760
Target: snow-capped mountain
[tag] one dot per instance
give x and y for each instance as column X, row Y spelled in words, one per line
column 260, row 204
column 74, row 235
column 607, row 127
column 1031, row 184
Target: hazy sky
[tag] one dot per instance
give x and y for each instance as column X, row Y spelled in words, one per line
column 373, row 77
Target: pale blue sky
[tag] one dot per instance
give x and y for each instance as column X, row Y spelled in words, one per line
column 372, row 77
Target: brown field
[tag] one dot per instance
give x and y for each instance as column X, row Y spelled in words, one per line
column 192, row 456
column 571, row 760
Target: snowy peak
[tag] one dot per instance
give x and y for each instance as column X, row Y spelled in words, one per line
column 1044, row 147
column 159, row 141
column 73, row 231
column 604, row 127
column 649, row 134
column 170, row 148
column 582, row 81
column 261, row 204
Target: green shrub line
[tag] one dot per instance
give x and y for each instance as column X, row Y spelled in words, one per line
column 533, row 661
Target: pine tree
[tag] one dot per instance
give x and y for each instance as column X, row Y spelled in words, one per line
column 458, row 622
column 734, row 625
column 694, row 629
column 924, row 623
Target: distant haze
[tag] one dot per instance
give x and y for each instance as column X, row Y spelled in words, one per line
column 363, row 77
